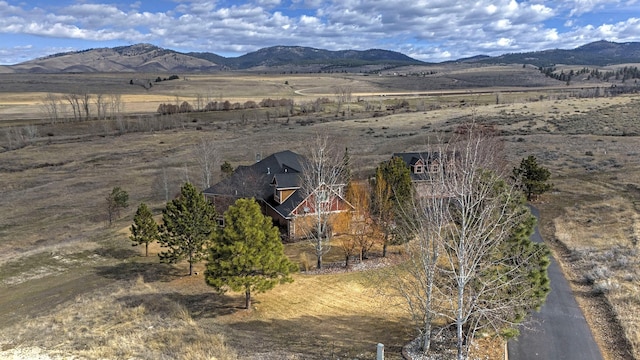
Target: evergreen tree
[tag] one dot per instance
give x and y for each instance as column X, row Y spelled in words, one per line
column 518, row 266
column 189, row 224
column 248, row 255
column 532, row 177
column 116, row 201
column 392, row 191
column 346, row 167
column 144, row 229
column 226, row 169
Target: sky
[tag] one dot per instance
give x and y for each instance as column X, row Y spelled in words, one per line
column 427, row 30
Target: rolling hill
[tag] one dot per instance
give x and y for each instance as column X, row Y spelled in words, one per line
column 599, row 53
column 151, row 59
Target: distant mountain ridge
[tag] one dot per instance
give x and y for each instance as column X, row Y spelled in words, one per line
column 151, row 58
column 599, row 53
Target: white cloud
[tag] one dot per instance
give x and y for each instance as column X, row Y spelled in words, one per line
column 428, row 29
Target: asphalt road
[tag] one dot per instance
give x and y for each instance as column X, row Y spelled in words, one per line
column 559, row 331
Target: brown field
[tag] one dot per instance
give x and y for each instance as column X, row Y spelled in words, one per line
column 71, row 286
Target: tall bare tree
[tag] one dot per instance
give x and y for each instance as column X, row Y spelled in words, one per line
column 343, row 95
column 115, row 105
column 51, row 107
column 321, row 183
column 489, row 281
column 206, row 154
column 101, row 106
column 74, row 102
column 470, row 260
column 85, row 104
column 363, row 228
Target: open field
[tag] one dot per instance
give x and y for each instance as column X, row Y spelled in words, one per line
column 59, row 260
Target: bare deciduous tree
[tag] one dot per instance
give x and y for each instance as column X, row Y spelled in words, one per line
column 364, row 230
column 470, row 259
column 85, row 102
column 206, row 155
column 51, row 107
column 199, row 102
column 343, row 95
column 321, row 183
column 74, row 102
column 101, row 106
column 116, row 106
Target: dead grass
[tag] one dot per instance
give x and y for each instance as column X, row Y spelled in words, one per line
column 130, row 321
column 54, row 243
column 600, row 233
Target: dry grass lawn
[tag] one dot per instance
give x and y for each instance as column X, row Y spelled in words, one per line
column 59, row 260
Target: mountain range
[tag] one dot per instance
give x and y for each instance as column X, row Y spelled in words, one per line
column 152, row 59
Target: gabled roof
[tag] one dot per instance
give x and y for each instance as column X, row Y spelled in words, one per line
column 282, row 170
column 286, row 181
column 411, row 158
column 419, row 158
column 257, row 180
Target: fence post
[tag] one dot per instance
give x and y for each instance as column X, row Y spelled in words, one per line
column 380, row 355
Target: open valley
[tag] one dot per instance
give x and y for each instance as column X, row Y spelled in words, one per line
column 73, row 287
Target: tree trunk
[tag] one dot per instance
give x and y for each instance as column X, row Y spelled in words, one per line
column 146, row 249
column 190, row 265
column 247, row 298
column 425, row 344
column 384, row 249
column 319, row 263
column 346, row 261
column 459, row 325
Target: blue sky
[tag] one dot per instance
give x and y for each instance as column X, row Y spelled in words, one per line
column 429, row 30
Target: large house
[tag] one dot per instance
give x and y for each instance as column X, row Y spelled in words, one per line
column 425, row 167
column 276, row 183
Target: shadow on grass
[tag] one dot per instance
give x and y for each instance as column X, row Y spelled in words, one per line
column 202, row 305
column 150, row 272
column 312, row 337
column 116, row 253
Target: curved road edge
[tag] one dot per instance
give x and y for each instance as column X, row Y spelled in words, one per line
column 559, row 330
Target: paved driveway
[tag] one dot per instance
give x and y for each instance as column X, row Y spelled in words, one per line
column 559, row 330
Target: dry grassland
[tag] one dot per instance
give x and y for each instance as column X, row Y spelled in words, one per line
column 58, row 258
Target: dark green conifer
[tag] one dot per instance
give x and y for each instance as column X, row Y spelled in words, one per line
column 189, row 224
column 248, row 254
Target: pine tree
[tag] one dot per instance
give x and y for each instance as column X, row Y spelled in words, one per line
column 144, row 229
column 533, row 177
column 346, row 167
column 226, row 169
column 519, row 266
column 116, row 201
column 248, row 254
column 392, row 190
column 189, row 224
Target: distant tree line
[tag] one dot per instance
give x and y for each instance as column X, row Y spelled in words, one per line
column 81, row 106
column 623, row 74
column 185, row 107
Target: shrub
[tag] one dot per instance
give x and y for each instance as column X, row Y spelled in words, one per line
column 305, row 262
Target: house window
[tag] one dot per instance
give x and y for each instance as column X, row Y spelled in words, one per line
column 418, row 169
column 323, row 196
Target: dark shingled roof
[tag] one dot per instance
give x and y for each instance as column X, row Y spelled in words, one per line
column 411, row 158
column 283, row 168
